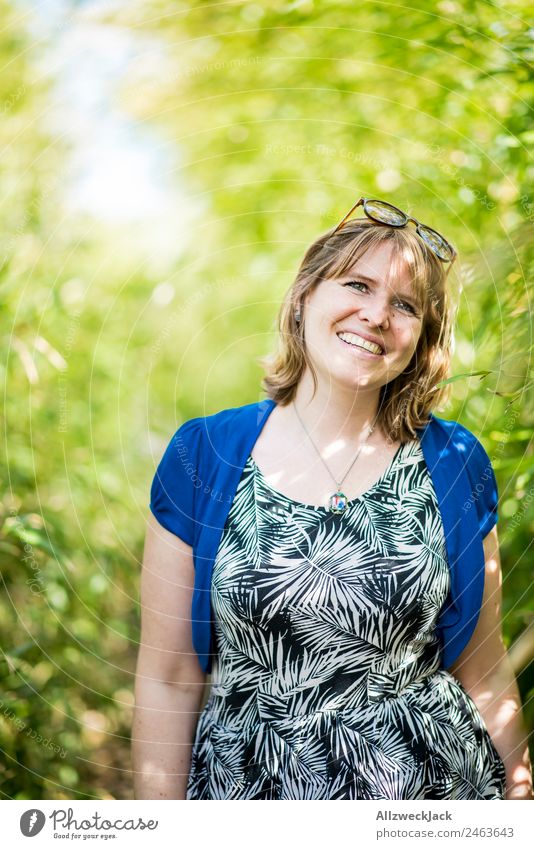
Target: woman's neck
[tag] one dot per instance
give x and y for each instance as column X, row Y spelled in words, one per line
column 333, row 416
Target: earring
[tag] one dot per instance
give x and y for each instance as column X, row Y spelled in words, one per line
column 297, row 316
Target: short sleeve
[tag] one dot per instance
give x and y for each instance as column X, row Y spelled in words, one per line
column 172, row 494
column 484, row 491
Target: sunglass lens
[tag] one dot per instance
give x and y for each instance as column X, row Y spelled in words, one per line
column 436, row 242
column 384, row 212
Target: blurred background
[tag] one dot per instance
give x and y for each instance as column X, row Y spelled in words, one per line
column 164, row 166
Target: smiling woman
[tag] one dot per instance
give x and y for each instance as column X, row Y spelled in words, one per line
column 312, row 553
column 347, row 312
column 390, row 274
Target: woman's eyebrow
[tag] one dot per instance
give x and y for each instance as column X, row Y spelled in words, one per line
column 407, row 295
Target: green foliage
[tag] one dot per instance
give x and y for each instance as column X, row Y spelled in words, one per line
column 279, row 117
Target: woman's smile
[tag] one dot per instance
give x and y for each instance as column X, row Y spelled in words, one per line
column 361, row 345
column 373, row 315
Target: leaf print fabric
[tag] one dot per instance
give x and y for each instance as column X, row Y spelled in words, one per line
column 326, row 682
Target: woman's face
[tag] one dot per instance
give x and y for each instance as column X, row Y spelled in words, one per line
column 361, row 304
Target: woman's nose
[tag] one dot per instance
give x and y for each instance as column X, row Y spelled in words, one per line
column 376, row 311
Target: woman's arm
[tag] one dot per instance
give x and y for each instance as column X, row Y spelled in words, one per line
column 485, row 672
column 169, row 681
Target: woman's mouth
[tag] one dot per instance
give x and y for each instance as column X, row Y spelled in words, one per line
column 360, row 345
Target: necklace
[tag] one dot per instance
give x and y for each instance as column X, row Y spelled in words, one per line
column 337, row 503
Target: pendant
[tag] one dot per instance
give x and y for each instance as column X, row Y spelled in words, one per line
column 338, row 502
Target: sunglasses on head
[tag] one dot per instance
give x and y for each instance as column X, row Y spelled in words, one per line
column 386, row 213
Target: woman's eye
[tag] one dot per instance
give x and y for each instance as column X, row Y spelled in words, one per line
column 356, row 283
column 406, row 307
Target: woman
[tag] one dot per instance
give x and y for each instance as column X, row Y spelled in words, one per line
column 330, row 556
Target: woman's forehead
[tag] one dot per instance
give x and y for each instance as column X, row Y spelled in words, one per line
column 388, row 256
column 388, row 265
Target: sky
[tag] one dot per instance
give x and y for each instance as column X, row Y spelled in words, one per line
column 118, row 170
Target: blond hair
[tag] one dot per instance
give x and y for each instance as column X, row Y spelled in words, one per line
column 404, row 402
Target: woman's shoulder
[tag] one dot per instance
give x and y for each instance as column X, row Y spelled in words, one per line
column 449, row 435
column 450, row 426
column 224, row 427
column 244, row 417
column 455, row 449
column 247, row 414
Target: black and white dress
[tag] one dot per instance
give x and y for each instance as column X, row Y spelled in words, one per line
column 326, row 679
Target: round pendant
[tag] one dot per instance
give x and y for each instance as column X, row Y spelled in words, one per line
column 338, row 502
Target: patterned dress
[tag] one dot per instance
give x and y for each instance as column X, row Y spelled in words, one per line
column 326, row 683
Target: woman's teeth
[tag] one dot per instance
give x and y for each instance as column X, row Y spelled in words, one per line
column 353, row 339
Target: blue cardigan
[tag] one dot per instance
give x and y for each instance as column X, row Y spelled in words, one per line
column 194, row 486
